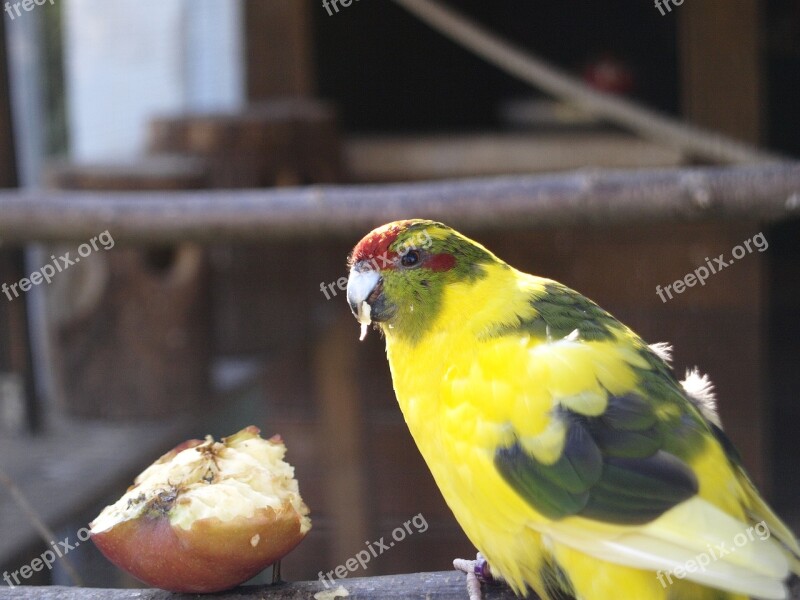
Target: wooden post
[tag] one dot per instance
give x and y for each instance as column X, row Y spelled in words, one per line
column 720, row 58
column 341, row 419
column 279, row 49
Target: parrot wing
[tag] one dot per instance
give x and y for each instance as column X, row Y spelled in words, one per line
column 628, row 469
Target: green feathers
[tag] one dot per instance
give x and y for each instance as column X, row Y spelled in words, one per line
column 612, row 468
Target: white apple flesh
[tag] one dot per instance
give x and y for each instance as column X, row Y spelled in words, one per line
column 207, row 515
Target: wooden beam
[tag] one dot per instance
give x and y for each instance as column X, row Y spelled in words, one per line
column 416, row 158
column 720, row 58
column 765, row 193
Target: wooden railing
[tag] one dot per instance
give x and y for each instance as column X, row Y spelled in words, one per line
column 767, row 192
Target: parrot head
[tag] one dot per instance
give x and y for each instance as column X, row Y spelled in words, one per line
column 398, row 273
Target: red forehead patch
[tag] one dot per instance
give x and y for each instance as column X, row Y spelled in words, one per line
column 376, row 243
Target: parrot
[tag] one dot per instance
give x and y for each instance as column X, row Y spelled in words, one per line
column 569, row 452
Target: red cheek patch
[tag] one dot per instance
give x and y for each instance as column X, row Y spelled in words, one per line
column 441, row 262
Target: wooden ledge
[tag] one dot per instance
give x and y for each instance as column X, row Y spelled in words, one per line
column 446, row 585
column 449, row 585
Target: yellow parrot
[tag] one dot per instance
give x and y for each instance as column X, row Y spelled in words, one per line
column 573, row 458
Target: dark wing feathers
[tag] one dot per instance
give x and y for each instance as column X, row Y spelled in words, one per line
column 612, row 468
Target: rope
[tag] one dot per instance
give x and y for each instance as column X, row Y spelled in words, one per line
column 538, row 73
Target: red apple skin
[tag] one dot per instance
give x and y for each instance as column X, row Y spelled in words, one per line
column 210, row 557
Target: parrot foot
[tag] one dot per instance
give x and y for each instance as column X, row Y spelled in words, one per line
column 477, row 571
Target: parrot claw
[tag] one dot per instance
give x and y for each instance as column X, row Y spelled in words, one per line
column 477, row 571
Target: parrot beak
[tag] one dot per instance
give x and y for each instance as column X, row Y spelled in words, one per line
column 364, row 288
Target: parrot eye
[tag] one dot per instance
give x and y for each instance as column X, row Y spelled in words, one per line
column 410, row 259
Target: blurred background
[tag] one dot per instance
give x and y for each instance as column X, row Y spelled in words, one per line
column 144, row 345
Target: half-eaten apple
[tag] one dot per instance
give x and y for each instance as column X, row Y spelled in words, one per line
column 207, row 515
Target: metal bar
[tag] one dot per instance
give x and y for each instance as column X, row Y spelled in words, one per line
column 769, row 192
